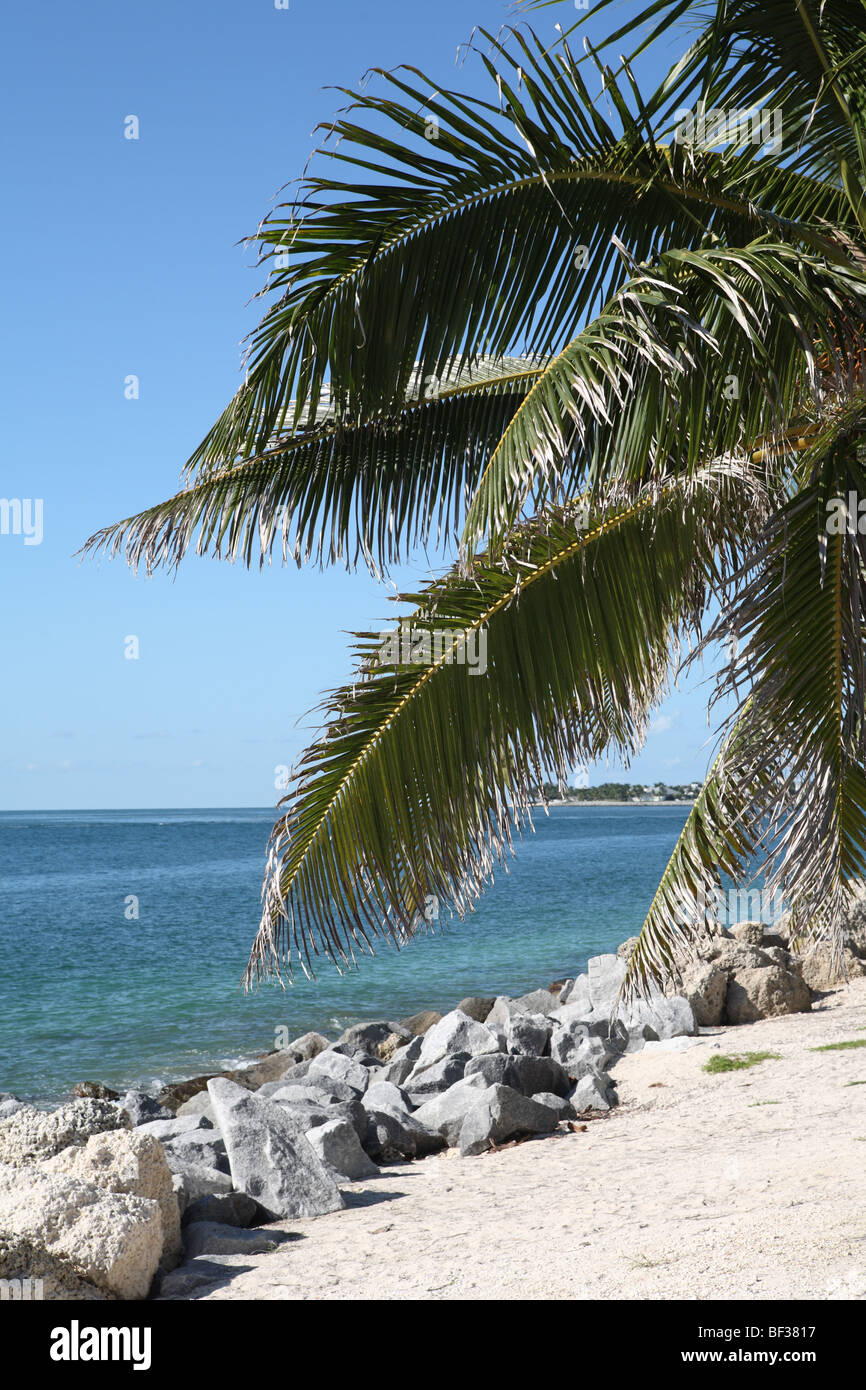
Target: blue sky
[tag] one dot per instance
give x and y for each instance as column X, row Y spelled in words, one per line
column 121, row 258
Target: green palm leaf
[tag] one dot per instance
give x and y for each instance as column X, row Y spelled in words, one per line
column 423, row 768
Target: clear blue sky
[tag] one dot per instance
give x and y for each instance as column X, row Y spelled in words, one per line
column 121, row 258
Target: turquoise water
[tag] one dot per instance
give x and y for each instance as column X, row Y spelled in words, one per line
column 86, row 994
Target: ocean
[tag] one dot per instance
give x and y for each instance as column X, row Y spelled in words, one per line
column 90, row 991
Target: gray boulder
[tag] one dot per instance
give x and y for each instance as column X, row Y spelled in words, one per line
column 192, row 1181
column 528, row 1034
column 500, row 1114
column 201, row 1104
column 172, row 1129
column 521, row 1073
column 308, row 1114
column 561, row 1105
column 445, row 1114
column 228, row 1209
column 339, row 1067
column 384, row 1095
column 141, row 1107
column 393, row 1135
column 402, row 1063
column 539, row 1001
column 306, row 1047
column 10, row 1105
column 216, row 1238
column 369, row 1037
column 270, row 1159
column 454, row 1033
column 339, row 1149
column 431, row 1081
column 594, row 1091
column 606, row 974
column 204, row 1146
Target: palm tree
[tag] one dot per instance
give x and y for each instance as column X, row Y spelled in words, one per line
column 621, row 375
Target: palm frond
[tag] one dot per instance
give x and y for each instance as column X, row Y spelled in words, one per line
column 693, row 359
column 334, row 492
column 423, row 768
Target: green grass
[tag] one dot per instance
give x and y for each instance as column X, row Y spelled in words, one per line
column 840, row 1047
column 738, row 1062
column 855, row 1083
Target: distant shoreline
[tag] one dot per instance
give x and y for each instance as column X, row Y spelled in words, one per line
column 559, row 801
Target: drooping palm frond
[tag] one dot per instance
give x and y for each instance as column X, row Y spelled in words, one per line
column 336, row 491
column 697, row 357
column 800, row 617
column 422, row 769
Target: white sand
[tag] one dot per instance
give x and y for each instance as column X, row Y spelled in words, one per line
column 695, row 1188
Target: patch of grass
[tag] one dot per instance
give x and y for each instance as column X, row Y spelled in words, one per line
column 763, row 1102
column 840, row 1047
column 644, row 1262
column 739, row 1061
column 855, row 1083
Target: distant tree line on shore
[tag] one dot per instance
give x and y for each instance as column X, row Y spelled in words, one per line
column 624, row 791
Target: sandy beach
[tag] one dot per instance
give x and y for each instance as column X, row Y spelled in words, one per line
column 746, row 1185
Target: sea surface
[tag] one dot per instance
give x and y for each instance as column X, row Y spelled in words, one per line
column 90, row 992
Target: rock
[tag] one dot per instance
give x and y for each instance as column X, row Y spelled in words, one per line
column 370, row 1037
column 524, row 1074
column 445, row 1114
column 421, row 1023
column 307, row 1115
column 127, row 1161
column 173, row 1096
column 561, row 1106
column 749, row 933
column 657, row 1019
column 500, row 1114
column 323, row 1089
column 562, row 989
column 94, row 1090
column 216, row 1238
column 454, row 1033
column 606, row 974
column 112, row 1240
column 271, row 1067
column 540, row 1001
column 201, row 1104
column 390, row 1045
column 179, row 1124
column 31, row 1135
column 11, row 1106
column 192, row 1181
column 270, row 1160
column 594, row 1091
column 820, row 972
column 230, row 1209
column 142, row 1107
column 705, row 986
column 341, row 1068
column 306, row 1047
column 625, row 949
column 528, row 1034
column 49, row 1275
column 339, row 1148
column 385, row 1095
column 391, row 1135
column 196, row 1278
column 476, row 1007
column 204, row 1146
column 735, row 955
column 579, row 1052
column 402, row 1063
column 765, row 993
column 431, row 1081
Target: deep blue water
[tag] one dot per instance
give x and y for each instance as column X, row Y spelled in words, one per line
column 86, row 994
